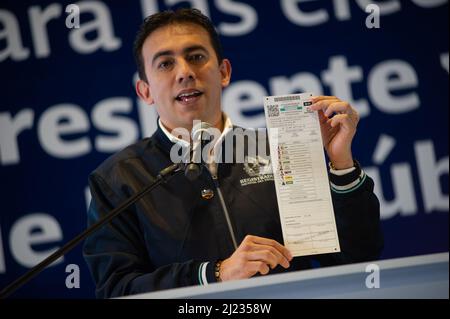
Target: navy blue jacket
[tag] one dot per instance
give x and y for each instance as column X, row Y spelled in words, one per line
column 161, row 241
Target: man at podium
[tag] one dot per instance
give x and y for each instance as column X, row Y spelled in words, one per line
column 213, row 228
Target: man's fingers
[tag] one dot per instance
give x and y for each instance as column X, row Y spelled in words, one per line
column 344, row 120
column 338, row 107
column 323, row 104
column 322, row 97
column 322, row 117
column 270, row 242
column 255, row 254
column 330, row 107
column 269, row 255
column 258, row 266
column 266, row 256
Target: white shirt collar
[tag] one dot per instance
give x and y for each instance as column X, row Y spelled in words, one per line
column 171, row 137
column 227, row 126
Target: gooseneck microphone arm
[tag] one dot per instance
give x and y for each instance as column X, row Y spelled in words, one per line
column 163, row 176
column 197, row 162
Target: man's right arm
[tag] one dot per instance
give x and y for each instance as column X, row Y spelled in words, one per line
column 118, row 259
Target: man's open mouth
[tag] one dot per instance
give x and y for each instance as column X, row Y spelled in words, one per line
column 188, row 96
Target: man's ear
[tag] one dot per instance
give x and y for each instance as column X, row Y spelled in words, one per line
column 225, row 71
column 144, row 92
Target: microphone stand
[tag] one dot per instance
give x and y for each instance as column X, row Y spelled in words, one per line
column 163, row 176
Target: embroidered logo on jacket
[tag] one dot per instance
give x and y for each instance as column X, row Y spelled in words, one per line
column 259, row 170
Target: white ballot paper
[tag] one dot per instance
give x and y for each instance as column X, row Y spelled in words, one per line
column 300, row 174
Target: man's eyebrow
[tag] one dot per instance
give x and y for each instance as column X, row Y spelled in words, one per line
column 160, row 54
column 185, row 51
column 195, row 48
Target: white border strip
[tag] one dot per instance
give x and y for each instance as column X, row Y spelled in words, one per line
column 292, row 277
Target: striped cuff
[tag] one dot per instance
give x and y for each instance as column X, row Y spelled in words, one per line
column 350, row 187
column 202, row 278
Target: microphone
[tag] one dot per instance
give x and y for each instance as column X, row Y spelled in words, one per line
column 199, row 136
column 163, row 176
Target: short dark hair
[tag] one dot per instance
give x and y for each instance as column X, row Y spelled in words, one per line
column 162, row 19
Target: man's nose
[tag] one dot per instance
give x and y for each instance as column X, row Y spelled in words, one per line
column 184, row 71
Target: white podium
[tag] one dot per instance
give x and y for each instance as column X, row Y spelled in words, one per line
column 412, row 277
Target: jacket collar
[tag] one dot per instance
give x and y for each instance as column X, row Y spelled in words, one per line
column 162, row 140
column 167, row 140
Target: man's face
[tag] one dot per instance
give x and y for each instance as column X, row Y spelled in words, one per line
column 185, row 80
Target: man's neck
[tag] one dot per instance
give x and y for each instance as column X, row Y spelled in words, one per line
column 220, row 125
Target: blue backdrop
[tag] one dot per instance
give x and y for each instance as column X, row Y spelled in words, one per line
column 67, row 102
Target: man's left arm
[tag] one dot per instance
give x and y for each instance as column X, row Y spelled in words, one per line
column 357, row 213
column 356, row 207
